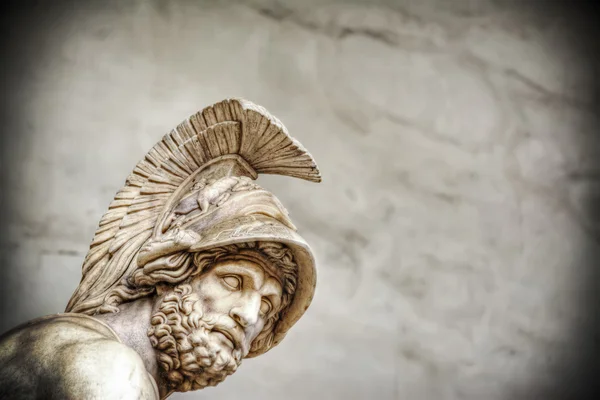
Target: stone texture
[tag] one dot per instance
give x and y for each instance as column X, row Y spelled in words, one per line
column 458, row 158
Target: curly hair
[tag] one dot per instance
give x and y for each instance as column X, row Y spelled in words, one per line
column 179, row 267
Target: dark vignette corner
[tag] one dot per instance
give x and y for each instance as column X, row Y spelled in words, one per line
column 25, row 27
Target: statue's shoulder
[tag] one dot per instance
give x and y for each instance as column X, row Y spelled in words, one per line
column 59, row 328
column 77, row 356
column 104, row 369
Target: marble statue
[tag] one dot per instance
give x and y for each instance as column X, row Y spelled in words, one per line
column 193, row 268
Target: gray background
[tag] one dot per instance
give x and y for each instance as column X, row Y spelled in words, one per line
column 453, row 228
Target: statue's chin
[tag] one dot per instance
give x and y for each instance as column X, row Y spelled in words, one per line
column 205, row 365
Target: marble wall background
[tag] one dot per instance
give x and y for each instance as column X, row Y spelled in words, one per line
column 456, row 139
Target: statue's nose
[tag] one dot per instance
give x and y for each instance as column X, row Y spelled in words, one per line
column 246, row 311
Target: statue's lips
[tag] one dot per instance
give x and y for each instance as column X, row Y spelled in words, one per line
column 228, row 336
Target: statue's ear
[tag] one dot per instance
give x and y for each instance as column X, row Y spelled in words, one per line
column 162, row 288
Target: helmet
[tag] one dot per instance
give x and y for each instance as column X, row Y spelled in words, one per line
column 199, row 179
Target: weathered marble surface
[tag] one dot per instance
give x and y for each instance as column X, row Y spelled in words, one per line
column 451, row 229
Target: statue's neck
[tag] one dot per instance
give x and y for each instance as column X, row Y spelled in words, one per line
column 131, row 324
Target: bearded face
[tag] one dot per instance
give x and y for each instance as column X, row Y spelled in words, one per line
column 203, row 328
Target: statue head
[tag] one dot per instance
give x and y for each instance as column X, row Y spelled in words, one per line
column 223, row 311
column 218, row 254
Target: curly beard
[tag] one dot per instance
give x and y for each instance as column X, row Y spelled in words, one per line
column 189, row 354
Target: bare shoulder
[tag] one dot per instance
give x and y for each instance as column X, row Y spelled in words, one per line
column 70, row 357
column 104, row 369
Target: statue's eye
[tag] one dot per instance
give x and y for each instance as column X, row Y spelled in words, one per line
column 233, row 282
column 265, row 307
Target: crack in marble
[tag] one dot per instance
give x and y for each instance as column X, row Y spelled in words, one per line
column 280, row 13
column 64, row 252
column 384, row 35
column 591, row 176
column 543, row 93
column 433, row 134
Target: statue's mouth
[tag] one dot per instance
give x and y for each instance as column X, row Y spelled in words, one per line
column 228, row 337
